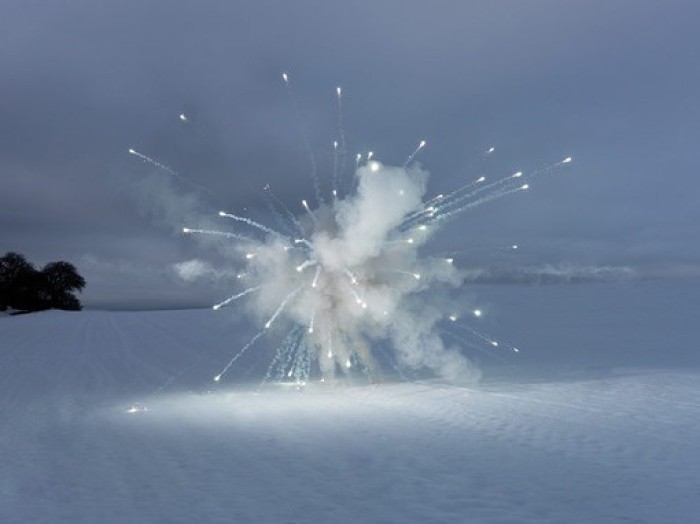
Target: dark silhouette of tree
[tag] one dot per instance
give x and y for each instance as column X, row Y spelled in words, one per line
column 62, row 280
column 16, row 280
column 24, row 288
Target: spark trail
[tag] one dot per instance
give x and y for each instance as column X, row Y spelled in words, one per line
column 305, row 138
column 148, row 160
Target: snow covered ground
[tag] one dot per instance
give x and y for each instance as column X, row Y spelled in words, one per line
column 596, row 420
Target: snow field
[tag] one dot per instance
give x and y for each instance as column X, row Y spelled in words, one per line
column 587, row 443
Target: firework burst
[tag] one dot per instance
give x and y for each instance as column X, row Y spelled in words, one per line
column 347, row 276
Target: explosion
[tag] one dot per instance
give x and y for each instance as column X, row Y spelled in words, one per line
column 347, row 279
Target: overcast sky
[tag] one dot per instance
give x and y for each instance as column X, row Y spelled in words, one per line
column 616, row 85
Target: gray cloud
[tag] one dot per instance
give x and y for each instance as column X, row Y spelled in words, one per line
column 615, row 85
column 550, row 274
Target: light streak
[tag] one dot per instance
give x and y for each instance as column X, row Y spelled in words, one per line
column 235, row 297
column 413, row 155
column 250, row 222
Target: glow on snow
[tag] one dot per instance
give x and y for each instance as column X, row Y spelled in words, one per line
column 346, row 276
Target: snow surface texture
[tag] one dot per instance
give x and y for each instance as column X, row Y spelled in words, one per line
column 596, row 420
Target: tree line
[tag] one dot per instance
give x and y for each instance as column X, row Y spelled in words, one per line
column 24, row 288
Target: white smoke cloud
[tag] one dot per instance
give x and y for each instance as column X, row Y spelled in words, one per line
column 196, row 269
column 354, row 280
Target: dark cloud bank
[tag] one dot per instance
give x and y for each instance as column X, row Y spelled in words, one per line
column 615, row 85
